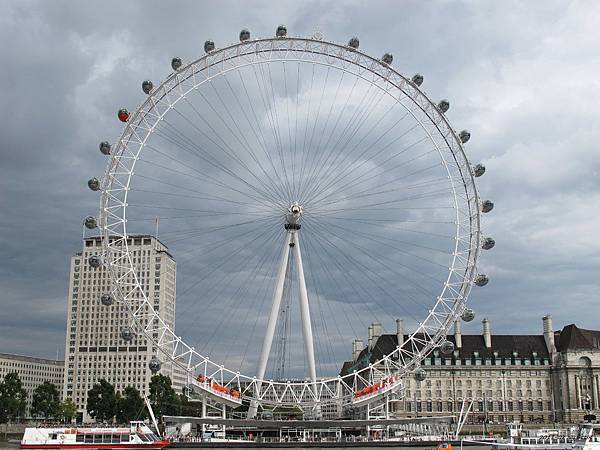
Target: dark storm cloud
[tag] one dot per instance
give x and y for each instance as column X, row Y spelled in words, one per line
column 521, row 77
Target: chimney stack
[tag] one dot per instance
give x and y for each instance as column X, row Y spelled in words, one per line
column 357, row 347
column 549, row 334
column 457, row 335
column 400, row 331
column 374, row 334
column 487, row 337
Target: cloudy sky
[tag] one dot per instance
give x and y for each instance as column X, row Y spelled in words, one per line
column 522, row 77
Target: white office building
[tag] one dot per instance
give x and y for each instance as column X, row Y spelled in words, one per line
column 32, row 372
column 94, row 347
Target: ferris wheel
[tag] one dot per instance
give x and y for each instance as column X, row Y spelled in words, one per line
column 305, row 190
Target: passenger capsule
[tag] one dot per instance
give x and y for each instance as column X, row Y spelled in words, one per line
column 387, row 58
column 176, row 63
column 104, row 148
column 127, row 334
column 154, row 365
column 107, row 299
column 123, row 115
column 244, row 35
column 95, row 261
column 468, row 315
column 353, row 43
column 90, row 222
column 281, row 31
column 420, row 375
column 478, row 170
column 444, row 105
column 464, row 136
column 488, row 243
column 209, row 46
column 447, row 347
column 487, row 206
column 94, row 184
column 147, row 86
column 481, row 280
column 417, row 79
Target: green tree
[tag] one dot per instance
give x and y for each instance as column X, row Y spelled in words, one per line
column 130, row 406
column 45, row 400
column 162, row 396
column 13, row 398
column 102, row 401
column 188, row 408
column 67, row 410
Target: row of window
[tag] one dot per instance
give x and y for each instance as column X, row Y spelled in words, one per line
column 478, row 406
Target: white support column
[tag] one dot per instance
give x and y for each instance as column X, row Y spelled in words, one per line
column 596, row 402
column 203, row 414
column 578, row 400
column 224, row 416
column 276, row 304
column 305, row 314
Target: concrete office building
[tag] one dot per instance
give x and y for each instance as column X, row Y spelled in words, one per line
column 95, row 348
column 32, row 372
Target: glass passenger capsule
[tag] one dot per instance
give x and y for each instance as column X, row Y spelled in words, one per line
column 420, row 375
column 209, row 46
column 176, row 63
column 106, row 299
column 154, row 365
column 488, row 243
column 281, row 31
column 353, row 43
column 244, row 35
column 123, row 115
column 464, row 136
column 478, row 170
column 94, row 184
column 487, row 206
column 481, row 280
column 417, row 79
column 127, row 334
column 468, row 315
column 147, row 86
column 104, row 148
column 90, row 222
column 387, row 58
column 447, row 347
column 443, row 105
column 95, row 261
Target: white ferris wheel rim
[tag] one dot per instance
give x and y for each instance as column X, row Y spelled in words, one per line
column 115, row 187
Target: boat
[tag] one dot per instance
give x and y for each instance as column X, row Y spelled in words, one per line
column 137, row 436
column 588, row 437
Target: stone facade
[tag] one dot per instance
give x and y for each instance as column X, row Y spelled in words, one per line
column 545, row 378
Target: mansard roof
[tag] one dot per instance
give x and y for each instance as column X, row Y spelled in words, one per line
column 573, row 338
column 473, row 346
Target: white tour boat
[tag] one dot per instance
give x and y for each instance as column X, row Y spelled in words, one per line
column 137, row 436
column 588, row 437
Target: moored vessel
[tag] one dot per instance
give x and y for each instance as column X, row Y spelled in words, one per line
column 137, row 436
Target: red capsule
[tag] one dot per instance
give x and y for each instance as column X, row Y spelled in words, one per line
column 123, row 115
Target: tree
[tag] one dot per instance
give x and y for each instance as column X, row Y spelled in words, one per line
column 130, row 406
column 102, row 401
column 188, row 408
column 67, row 410
column 13, row 398
column 45, row 400
column 162, row 396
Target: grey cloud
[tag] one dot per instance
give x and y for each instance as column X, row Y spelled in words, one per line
column 521, row 77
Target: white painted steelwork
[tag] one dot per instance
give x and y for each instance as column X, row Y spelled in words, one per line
column 429, row 334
